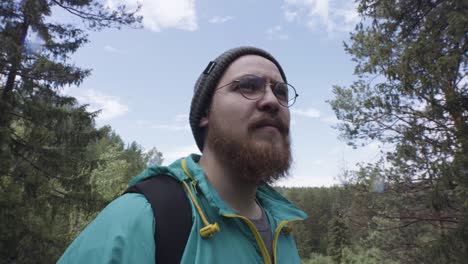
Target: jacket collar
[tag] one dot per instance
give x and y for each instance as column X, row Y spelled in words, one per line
column 272, row 201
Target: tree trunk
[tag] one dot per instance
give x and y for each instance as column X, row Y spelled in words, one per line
column 7, row 99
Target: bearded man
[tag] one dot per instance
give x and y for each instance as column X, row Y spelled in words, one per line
column 240, row 120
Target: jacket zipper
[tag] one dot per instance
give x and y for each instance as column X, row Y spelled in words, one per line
column 277, row 232
column 250, row 224
column 258, row 238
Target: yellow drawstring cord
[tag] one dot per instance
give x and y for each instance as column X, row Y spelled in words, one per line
column 209, row 229
column 193, row 181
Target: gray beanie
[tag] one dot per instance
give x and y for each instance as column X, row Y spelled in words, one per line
column 208, row 80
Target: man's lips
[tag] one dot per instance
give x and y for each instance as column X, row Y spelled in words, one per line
column 270, row 129
column 271, row 123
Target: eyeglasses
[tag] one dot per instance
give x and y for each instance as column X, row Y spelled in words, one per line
column 253, row 87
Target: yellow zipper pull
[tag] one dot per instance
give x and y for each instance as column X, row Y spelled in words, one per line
column 209, row 229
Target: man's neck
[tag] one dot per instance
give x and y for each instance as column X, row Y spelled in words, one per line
column 236, row 192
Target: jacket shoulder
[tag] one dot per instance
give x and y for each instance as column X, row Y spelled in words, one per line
column 122, row 233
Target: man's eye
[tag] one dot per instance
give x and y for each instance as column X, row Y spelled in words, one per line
column 281, row 90
column 250, row 85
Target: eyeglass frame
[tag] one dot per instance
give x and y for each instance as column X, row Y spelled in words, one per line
column 293, row 99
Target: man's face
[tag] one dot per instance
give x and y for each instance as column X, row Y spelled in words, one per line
column 252, row 136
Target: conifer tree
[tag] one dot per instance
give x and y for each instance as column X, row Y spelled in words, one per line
column 338, row 238
column 412, row 95
column 45, row 163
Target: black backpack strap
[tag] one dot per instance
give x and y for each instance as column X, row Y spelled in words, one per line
column 172, row 213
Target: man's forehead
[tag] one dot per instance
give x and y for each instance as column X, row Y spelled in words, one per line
column 253, row 64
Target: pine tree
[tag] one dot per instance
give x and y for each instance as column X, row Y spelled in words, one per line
column 412, row 94
column 45, row 163
column 338, row 238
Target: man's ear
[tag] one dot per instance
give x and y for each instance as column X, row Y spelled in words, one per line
column 203, row 122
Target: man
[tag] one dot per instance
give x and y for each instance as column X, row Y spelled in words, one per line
column 240, row 120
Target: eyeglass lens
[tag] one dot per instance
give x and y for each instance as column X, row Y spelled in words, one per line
column 253, row 87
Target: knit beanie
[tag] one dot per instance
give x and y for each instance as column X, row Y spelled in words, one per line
column 208, row 81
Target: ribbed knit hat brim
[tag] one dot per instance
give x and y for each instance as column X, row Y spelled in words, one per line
column 208, row 81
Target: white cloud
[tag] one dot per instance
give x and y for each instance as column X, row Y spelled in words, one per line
column 110, row 106
column 463, row 82
column 311, row 112
column 220, row 20
column 160, row 14
column 332, row 120
column 290, row 15
column 350, row 16
column 178, row 152
column 334, row 15
column 276, row 33
column 111, row 49
column 143, row 122
column 307, row 180
column 374, row 146
column 317, row 162
column 34, row 43
column 172, row 127
column 182, row 117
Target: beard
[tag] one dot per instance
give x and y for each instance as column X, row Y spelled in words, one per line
column 255, row 160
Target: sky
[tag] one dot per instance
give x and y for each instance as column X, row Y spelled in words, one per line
column 142, row 79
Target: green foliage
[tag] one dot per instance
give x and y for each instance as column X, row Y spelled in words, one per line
column 153, row 157
column 117, row 164
column 360, row 255
column 357, row 255
column 57, row 170
column 319, row 203
column 46, row 164
column 338, row 238
column 411, row 94
column 317, row 259
column 50, row 172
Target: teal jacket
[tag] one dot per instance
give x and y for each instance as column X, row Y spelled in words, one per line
column 124, row 231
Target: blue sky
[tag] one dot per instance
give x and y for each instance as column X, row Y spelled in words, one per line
column 143, row 79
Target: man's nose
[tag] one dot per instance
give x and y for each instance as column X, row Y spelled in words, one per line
column 268, row 102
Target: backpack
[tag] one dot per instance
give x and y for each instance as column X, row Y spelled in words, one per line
column 172, row 213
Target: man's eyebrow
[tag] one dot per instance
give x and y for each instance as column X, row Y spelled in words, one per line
column 274, row 80
column 267, row 77
column 243, row 75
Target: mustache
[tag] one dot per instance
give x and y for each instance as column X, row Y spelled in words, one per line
column 270, row 121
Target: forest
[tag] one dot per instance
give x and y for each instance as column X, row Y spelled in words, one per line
column 58, row 169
